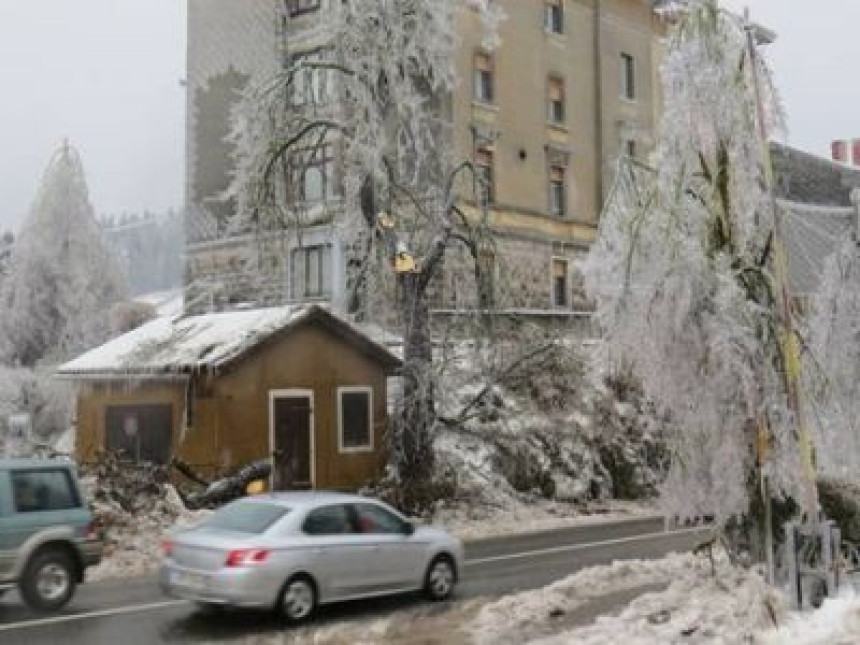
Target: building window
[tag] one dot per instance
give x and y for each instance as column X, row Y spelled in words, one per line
column 630, row 148
column 310, row 85
column 628, row 77
column 311, row 271
column 557, row 191
column 484, row 90
column 313, row 178
column 486, row 176
column 355, row 418
column 554, row 16
column 298, row 7
column 559, row 282
column 555, row 100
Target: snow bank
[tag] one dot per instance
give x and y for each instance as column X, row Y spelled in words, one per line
column 735, row 606
column 519, row 617
column 836, row 623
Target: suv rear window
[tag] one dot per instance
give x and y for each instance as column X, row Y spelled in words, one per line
column 246, row 517
column 43, row 490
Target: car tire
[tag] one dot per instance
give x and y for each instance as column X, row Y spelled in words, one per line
column 210, row 608
column 297, row 601
column 49, row 580
column 440, row 579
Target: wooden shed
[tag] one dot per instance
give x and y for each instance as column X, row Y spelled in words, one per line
column 300, row 384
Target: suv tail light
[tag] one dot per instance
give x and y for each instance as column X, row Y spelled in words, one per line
column 166, row 547
column 245, row 557
column 91, row 532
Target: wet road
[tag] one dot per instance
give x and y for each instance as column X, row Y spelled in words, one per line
column 134, row 611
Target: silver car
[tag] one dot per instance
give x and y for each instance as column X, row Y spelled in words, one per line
column 295, row 551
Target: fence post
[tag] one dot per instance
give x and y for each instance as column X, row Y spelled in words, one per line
column 794, row 586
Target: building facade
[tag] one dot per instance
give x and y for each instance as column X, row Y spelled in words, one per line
column 544, row 117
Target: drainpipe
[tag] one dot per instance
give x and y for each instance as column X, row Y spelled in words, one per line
column 598, row 107
column 855, row 202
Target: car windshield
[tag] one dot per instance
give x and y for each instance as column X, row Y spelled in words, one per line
column 246, row 517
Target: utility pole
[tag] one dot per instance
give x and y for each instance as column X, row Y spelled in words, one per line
column 788, row 337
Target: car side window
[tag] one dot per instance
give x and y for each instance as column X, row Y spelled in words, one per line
column 43, row 490
column 329, row 520
column 375, row 519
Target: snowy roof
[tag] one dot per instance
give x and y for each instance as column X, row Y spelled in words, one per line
column 208, row 342
column 166, row 303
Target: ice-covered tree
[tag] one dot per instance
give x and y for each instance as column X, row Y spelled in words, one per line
column 6, row 242
column 685, row 275
column 62, row 280
column 377, row 94
column 833, row 368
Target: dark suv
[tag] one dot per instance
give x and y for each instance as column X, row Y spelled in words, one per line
column 47, row 534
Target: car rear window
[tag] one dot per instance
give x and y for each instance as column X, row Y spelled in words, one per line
column 246, row 517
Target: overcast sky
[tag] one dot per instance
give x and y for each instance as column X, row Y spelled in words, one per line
column 106, row 73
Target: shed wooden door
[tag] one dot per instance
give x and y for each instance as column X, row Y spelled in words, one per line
column 292, row 439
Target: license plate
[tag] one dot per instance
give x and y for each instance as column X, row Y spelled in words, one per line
column 190, row 580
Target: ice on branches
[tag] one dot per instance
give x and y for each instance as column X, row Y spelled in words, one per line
column 681, row 275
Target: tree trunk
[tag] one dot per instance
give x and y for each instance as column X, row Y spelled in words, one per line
column 413, row 430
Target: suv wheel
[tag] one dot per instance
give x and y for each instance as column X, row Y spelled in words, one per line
column 441, row 578
column 49, row 580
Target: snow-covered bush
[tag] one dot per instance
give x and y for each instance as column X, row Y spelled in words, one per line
column 48, row 402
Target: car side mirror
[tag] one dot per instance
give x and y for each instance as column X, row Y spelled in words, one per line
column 408, row 528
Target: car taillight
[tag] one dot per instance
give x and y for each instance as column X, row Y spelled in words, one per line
column 166, row 547
column 244, row 557
column 92, row 531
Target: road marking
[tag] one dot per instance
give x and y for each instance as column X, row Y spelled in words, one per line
column 129, row 609
column 582, row 547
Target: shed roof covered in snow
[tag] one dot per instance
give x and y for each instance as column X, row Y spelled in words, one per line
column 210, row 342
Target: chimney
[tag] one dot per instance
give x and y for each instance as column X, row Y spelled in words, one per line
column 839, row 151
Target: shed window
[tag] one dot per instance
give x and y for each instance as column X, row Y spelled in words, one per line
column 355, row 418
column 140, row 432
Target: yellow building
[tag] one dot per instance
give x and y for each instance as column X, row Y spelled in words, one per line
column 544, row 116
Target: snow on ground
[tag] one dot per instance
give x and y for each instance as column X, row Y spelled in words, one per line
column 133, row 540
column 676, row 600
column 735, row 606
column 836, row 623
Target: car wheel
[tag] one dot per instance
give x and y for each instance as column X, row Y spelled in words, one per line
column 440, row 579
column 49, row 580
column 298, row 599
